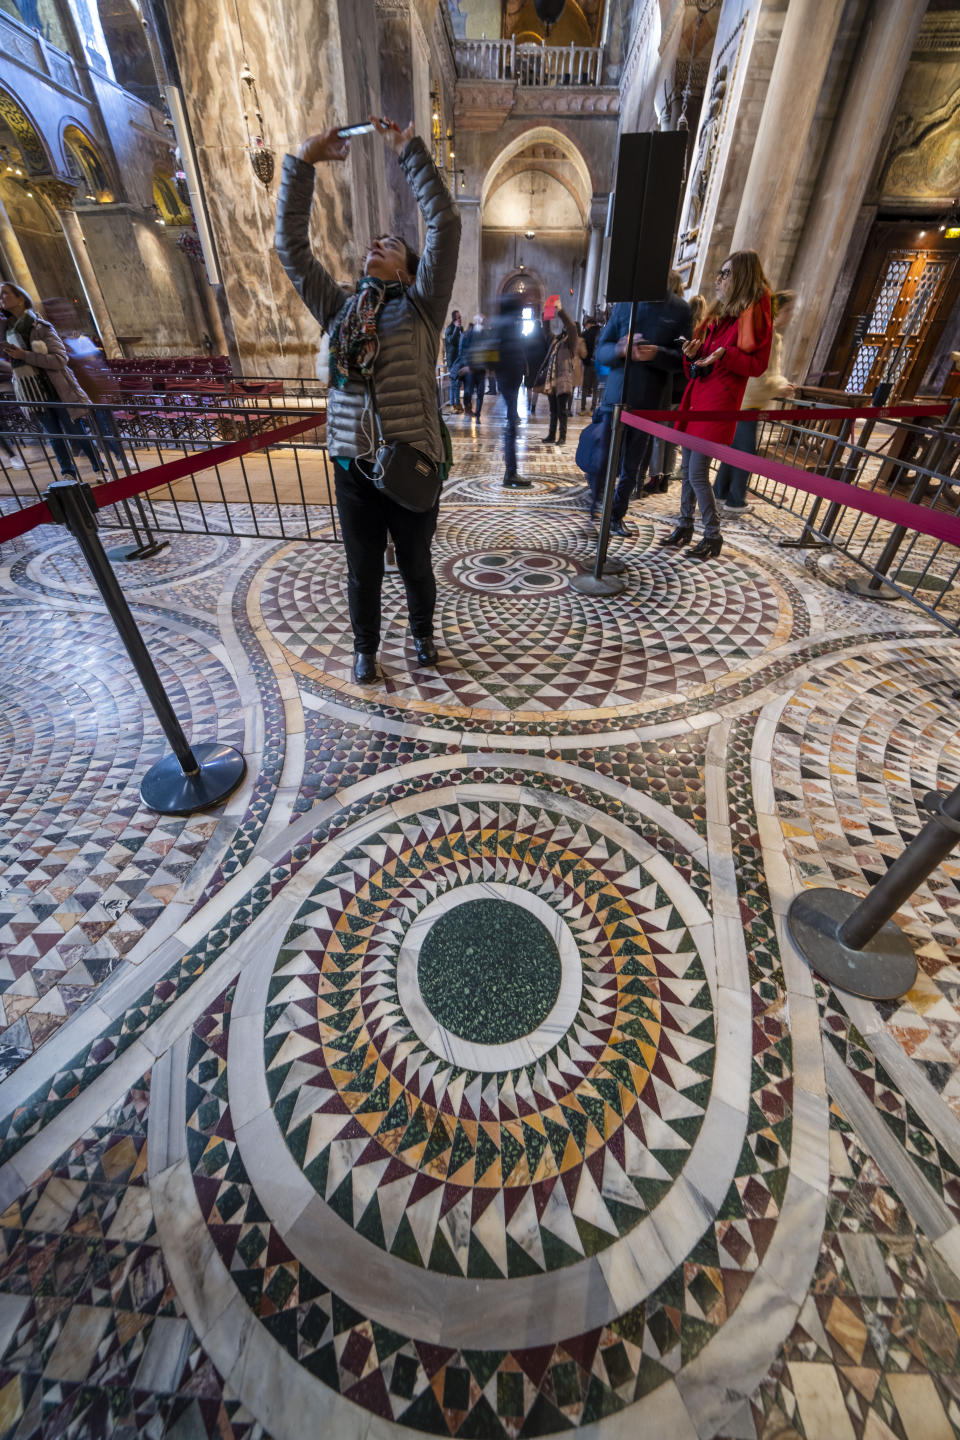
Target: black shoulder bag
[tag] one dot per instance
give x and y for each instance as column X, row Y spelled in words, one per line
column 404, row 473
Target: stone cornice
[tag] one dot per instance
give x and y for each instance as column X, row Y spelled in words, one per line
column 485, row 104
column 939, row 33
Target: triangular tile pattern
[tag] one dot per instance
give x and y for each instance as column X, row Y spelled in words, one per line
column 489, row 1174
column 895, row 1311
column 505, row 652
column 87, row 868
column 573, row 1381
column 81, row 1244
column 858, row 747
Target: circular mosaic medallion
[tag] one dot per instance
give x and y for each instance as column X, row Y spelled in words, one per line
column 62, row 569
column 566, row 660
column 512, row 572
column 477, row 974
column 459, row 1155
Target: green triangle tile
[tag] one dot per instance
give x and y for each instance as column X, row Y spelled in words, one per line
column 316, row 1171
column 438, row 1143
column 344, row 1316
column 426, row 1415
column 543, row 1418
column 461, row 1151
column 416, row 1132
column 480, row 1265
column 519, row 1263
column 599, row 1402
column 323, row 1364
column 483, row 1364
column 482, row 1423
column 405, row 1245
column 341, row 1201
column 388, row 1342
column 651, row 1191
column 487, row 1152
column 593, row 1239
column 442, row 1259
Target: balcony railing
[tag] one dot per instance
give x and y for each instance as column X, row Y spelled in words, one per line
column 529, row 64
column 27, row 47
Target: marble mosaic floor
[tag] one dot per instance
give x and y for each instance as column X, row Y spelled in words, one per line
column 458, row 1076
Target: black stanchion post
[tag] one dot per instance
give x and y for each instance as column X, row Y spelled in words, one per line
column 193, row 777
column 855, row 944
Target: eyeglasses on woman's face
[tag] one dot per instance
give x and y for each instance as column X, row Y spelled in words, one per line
column 724, row 274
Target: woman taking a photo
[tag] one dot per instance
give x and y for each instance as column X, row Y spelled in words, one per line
column 731, row 344
column 383, row 343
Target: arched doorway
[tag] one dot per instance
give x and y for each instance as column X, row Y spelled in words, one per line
column 535, row 210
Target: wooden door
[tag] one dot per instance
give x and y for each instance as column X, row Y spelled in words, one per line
column 908, row 281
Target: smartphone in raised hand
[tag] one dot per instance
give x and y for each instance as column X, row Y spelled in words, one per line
column 365, row 127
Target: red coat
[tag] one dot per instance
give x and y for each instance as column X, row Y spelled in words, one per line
column 722, row 388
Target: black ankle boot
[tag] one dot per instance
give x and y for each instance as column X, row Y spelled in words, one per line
column 365, row 668
column 706, row 549
column 657, row 485
column 681, row 536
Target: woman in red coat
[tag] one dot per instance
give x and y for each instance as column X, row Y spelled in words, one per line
column 731, row 343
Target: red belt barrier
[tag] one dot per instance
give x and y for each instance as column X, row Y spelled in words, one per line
column 821, row 412
column 872, row 502
column 165, row 474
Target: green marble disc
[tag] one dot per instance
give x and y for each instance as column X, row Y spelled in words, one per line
column 489, row 971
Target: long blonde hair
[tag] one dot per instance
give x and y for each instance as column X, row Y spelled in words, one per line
column 749, row 284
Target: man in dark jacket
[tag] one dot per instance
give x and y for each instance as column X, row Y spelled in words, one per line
column 451, row 346
column 660, row 328
column 509, row 369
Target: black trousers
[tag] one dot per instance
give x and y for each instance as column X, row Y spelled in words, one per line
column 559, row 409
column 367, row 516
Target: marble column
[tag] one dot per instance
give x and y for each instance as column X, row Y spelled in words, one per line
column 593, row 270
column 466, row 290
column 404, row 97
column 799, row 70
column 61, row 197
column 859, row 132
column 19, row 271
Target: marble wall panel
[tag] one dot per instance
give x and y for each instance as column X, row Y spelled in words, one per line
column 295, row 52
column 142, row 283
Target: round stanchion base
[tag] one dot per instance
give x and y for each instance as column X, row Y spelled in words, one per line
column 138, row 552
column 590, row 585
column 167, row 790
column 886, row 969
column 855, row 586
column 613, row 566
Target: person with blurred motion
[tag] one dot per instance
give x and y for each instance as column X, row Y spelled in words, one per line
column 479, row 351
column 89, row 364
column 537, row 343
column 383, row 345
column 662, row 327
column 731, row 343
column 588, row 393
column 731, row 484
column 451, row 348
column 510, row 365
column 43, row 382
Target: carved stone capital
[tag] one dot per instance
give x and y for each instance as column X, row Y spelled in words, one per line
column 60, row 193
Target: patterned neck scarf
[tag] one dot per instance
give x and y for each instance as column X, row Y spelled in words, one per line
column 353, row 339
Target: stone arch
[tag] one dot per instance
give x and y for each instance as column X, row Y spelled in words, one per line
column 541, row 135
column 524, row 282
column 84, row 162
column 36, row 153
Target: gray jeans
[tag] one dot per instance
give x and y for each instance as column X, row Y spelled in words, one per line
column 696, row 488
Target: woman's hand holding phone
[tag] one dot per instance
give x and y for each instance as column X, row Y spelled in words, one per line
column 391, row 132
column 325, row 145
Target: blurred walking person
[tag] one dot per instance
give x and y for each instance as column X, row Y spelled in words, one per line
column 731, row 484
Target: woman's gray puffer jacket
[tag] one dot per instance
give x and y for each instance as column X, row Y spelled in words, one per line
column 408, row 328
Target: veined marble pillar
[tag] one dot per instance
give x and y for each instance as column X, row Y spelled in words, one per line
column 61, row 197
column 15, row 258
column 858, row 133
column 405, row 96
column 466, row 290
column 593, row 270
column 295, row 53
column 806, row 42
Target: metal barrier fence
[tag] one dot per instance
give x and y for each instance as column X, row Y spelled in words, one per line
column 917, row 461
column 282, row 492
